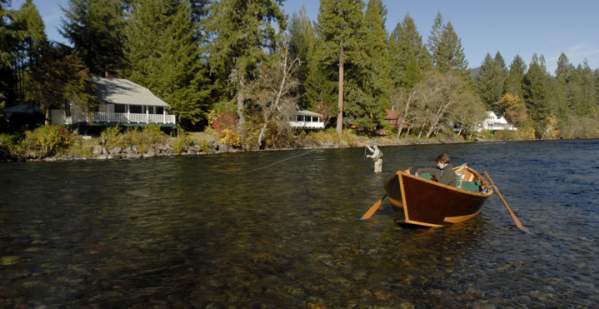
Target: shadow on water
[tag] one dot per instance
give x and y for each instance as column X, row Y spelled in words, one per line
column 224, row 230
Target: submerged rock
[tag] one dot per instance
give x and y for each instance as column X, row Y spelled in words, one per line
column 8, row 260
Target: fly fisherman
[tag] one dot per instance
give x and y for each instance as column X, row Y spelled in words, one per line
column 377, row 156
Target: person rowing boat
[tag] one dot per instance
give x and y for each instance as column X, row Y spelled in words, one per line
column 443, row 171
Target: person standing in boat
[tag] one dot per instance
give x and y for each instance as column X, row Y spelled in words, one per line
column 442, row 172
column 377, row 156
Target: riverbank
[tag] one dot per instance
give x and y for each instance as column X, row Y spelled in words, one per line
column 58, row 144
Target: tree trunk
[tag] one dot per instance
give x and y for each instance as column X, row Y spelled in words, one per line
column 340, row 102
column 261, row 136
column 405, row 115
column 240, row 107
column 437, row 118
column 47, row 116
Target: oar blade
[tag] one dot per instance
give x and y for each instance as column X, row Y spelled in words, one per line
column 373, row 209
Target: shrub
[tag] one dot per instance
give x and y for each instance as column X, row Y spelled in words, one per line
column 8, row 145
column 45, row 141
column 230, row 137
column 111, row 138
column 145, row 139
column 82, row 148
column 182, row 142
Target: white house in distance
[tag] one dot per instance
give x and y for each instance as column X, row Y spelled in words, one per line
column 494, row 123
column 306, row 120
column 121, row 102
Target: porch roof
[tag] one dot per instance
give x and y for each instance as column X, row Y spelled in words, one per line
column 123, row 91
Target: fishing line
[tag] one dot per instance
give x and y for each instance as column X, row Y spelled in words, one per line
column 280, row 161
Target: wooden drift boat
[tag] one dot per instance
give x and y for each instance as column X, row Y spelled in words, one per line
column 433, row 204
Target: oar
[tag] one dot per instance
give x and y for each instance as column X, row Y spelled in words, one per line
column 516, row 220
column 374, row 208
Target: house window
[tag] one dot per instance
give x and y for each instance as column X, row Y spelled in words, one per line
column 135, row 109
column 159, row 110
column 120, row 108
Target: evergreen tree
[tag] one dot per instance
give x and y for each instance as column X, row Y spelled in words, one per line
column 6, row 44
column 60, row 78
column 596, row 76
column 96, row 30
column 564, row 68
column 513, row 82
column 374, row 84
column 581, row 94
column 485, row 81
column 449, row 53
column 164, row 56
column 491, row 79
column 340, row 28
column 301, row 46
column 435, row 35
column 241, row 31
column 502, row 69
column 409, row 58
column 31, row 41
column 536, row 94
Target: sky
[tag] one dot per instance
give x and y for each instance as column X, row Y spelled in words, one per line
column 512, row 27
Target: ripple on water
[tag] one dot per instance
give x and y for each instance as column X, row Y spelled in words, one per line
column 217, row 231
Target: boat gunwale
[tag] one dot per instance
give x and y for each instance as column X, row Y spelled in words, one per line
column 442, row 185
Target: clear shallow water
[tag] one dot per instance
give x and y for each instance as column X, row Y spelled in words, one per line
column 215, row 231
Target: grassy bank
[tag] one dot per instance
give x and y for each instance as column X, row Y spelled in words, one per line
column 58, row 143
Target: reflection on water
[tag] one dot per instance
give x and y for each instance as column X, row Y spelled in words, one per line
column 220, row 230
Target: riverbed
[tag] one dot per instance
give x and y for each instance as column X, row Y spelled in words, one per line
column 281, row 230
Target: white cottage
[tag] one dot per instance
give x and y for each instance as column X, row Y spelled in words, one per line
column 306, row 120
column 494, row 123
column 121, row 102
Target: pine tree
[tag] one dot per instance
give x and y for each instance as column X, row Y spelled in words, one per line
column 6, row 53
column 409, row 58
column 242, row 31
column 96, row 30
column 31, row 41
column 301, row 46
column 535, row 92
column 491, row 79
column 596, row 77
column 449, row 53
column 373, row 78
column 60, row 78
column 502, row 69
column 340, row 28
column 564, row 68
column 513, row 82
column 485, row 81
column 435, row 35
column 164, row 56
column 580, row 91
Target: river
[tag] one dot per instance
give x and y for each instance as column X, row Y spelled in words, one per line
column 281, row 230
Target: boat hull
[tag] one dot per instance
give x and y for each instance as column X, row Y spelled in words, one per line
column 432, row 204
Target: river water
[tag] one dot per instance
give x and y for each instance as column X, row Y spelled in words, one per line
column 281, row 230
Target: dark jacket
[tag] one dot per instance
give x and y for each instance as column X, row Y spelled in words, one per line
column 446, row 176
